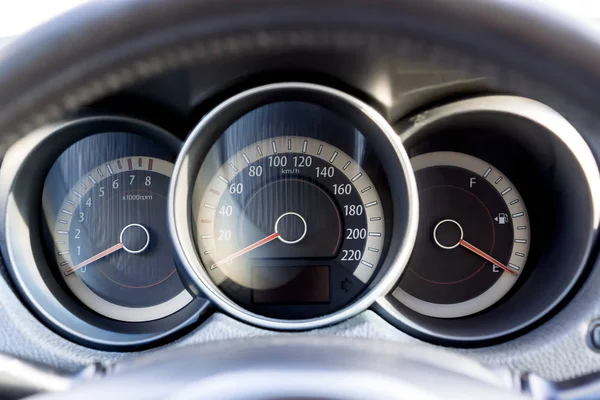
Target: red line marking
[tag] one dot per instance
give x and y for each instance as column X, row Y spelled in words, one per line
column 150, row 162
column 215, row 192
column 119, row 164
column 206, row 221
column 129, row 163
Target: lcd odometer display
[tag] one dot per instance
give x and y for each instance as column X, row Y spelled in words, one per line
column 303, row 285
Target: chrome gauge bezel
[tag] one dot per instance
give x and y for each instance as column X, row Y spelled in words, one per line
column 382, row 137
column 527, row 123
column 30, row 267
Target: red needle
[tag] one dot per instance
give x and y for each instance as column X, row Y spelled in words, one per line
column 245, row 250
column 480, row 253
column 98, row 256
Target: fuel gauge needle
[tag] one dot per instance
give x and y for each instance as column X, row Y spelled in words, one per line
column 98, row 256
column 485, row 256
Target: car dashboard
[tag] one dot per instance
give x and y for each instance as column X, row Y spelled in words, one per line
column 406, row 201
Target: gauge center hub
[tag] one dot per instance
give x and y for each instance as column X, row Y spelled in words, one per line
column 135, row 238
column 447, row 234
column 291, row 227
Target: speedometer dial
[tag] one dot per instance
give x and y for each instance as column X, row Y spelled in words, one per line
column 290, row 220
column 281, row 207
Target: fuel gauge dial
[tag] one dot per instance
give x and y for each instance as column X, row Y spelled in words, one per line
column 473, row 238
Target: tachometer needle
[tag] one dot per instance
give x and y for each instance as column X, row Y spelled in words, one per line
column 489, row 258
column 98, row 256
column 245, row 250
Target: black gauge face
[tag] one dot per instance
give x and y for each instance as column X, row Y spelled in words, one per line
column 473, row 237
column 290, row 220
column 109, row 236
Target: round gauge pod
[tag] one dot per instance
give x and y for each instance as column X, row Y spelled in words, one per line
column 281, row 206
column 75, row 233
column 521, row 182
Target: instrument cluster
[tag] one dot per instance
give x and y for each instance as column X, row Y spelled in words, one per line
column 294, row 206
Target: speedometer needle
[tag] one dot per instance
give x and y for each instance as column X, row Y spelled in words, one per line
column 98, row 256
column 245, row 250
column 485, row 256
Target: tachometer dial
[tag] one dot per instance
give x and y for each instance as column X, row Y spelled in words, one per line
column 473, row 238
column 290, row 220
column 111, row 245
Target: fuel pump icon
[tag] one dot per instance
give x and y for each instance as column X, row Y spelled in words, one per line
column 502, row 218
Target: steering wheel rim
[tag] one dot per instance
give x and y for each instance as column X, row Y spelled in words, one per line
column 299, row 367
column 134, row 40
